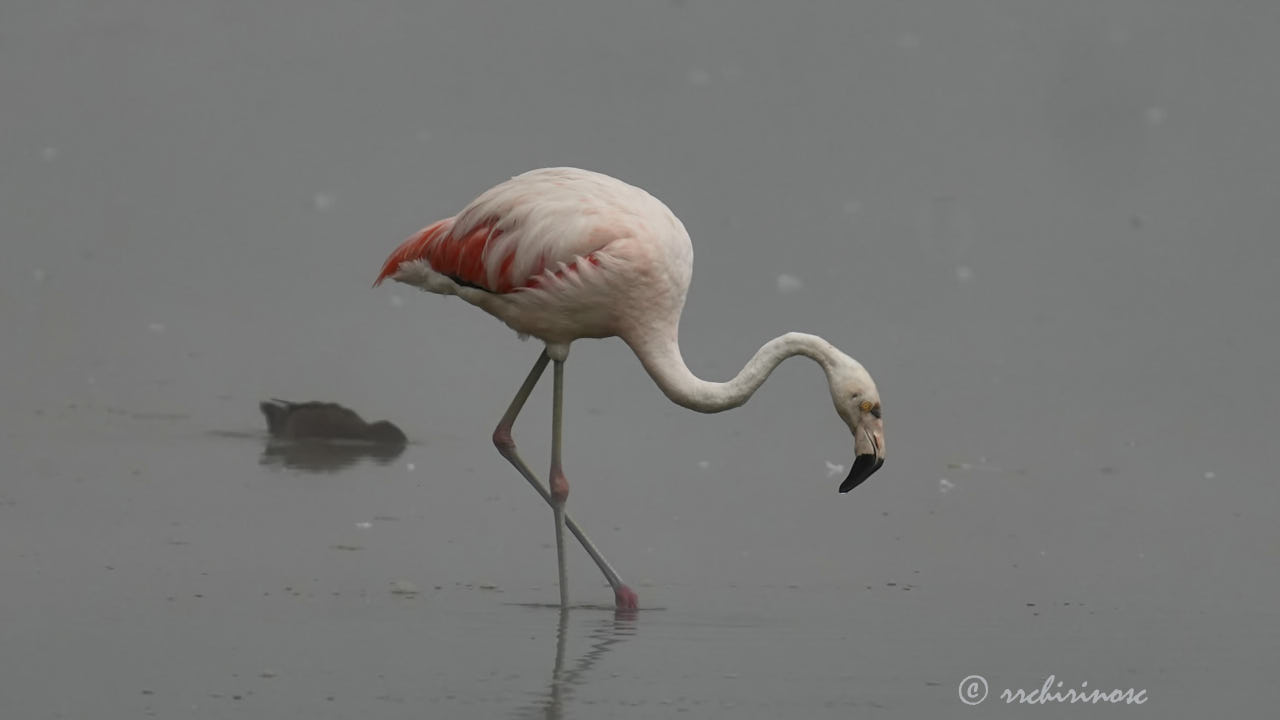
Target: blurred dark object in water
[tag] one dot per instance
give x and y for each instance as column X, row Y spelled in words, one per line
column 320, row 437
column 326, row 421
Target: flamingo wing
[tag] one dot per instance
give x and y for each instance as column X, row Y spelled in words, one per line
column 509, row 237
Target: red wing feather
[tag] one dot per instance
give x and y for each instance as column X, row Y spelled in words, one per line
column 461, row 258
column 416, row 247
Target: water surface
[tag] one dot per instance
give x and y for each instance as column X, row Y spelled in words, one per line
column 1049, row 232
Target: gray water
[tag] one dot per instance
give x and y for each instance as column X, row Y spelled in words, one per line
column 1049, row 231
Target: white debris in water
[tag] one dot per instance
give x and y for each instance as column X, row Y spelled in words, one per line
column 39, row 275
column 1210, row 475
column 49, row 153
column 789, row 283
column 699, row 77
column 403, row 588
column 364, row 525
column 156, row 327
column 396, row 301
column 323, row 201
column 945, row 485
column 964, row 273
column 833, row 469
column 704, row 464
column 1155, row 116
column 411, row 467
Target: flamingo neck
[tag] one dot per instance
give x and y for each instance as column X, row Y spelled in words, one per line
column 660, row 355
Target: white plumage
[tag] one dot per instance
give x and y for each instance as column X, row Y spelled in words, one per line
column 540, row 228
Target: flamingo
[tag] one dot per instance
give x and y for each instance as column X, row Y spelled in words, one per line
column 562, row 254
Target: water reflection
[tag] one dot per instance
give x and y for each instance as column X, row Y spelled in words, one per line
column 325, row 455
column 603, row 636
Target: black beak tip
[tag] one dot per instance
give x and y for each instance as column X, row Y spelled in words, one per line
column 864, row 466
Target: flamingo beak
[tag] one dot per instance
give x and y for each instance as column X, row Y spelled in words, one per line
column 868, row 447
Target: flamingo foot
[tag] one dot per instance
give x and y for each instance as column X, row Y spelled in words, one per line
column 626, row 598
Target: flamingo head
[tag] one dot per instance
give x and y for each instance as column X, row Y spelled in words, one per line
column 858, row 403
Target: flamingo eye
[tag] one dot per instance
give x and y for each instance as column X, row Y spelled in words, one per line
column 865, row 406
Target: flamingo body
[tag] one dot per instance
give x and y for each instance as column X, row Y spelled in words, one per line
column 558, row 253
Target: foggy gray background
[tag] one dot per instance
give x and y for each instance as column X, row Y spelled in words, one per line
column 1047, row 229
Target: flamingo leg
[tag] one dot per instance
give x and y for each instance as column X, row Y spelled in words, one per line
column 559, row 485
column 625, row 596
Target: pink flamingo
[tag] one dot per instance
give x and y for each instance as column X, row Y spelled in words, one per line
column 563, row 254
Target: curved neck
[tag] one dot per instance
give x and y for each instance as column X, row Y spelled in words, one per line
column 661, row 358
